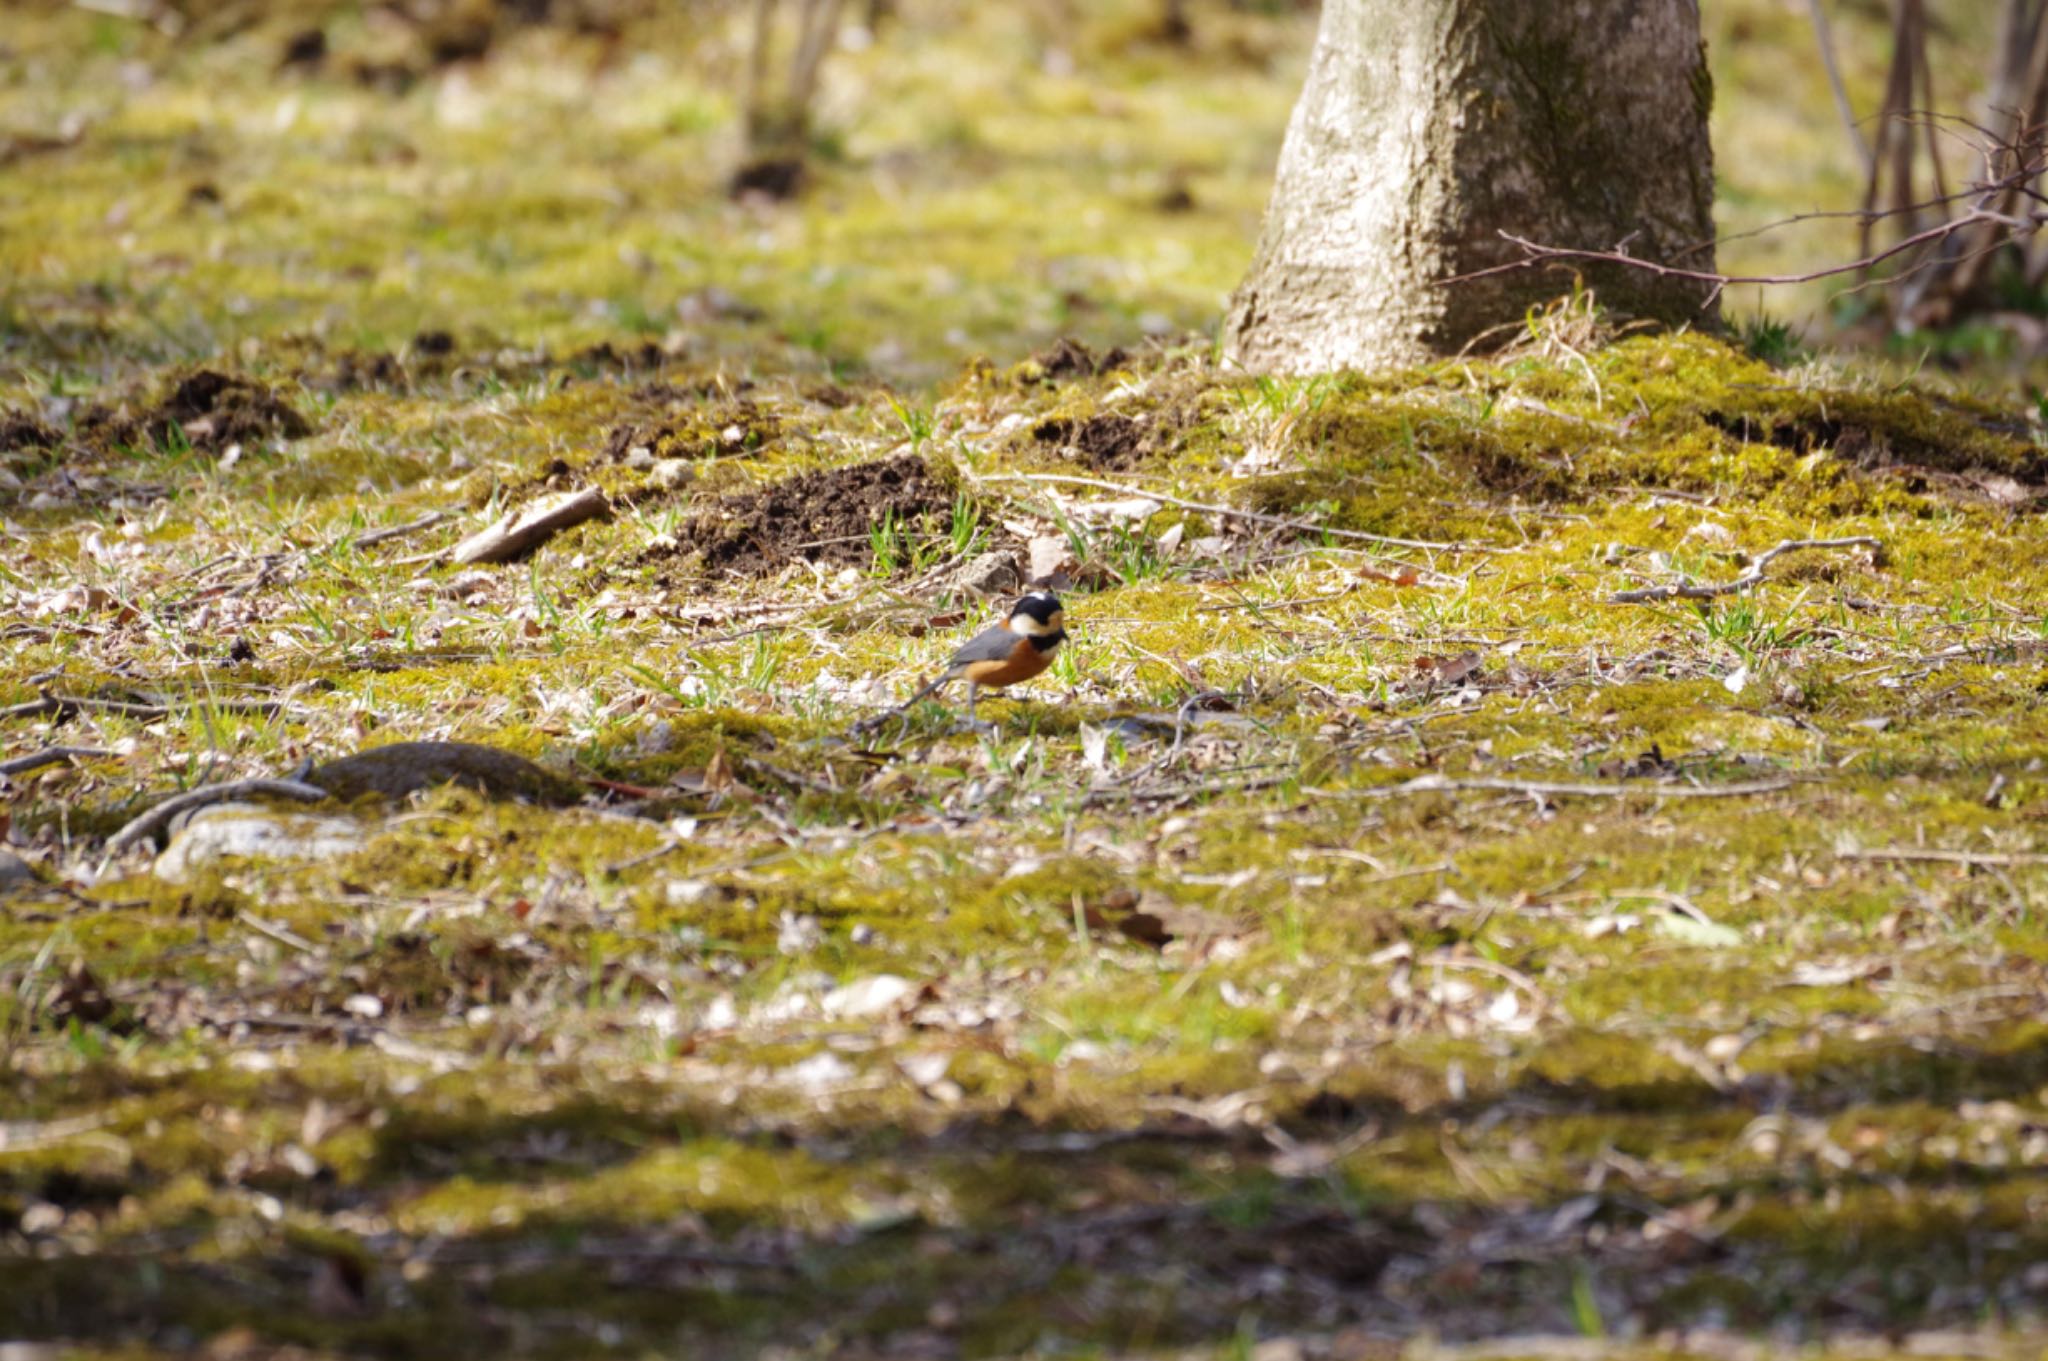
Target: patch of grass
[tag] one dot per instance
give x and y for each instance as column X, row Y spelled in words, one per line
column 1332, row 922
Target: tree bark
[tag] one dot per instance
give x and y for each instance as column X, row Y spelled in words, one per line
column 1428, row 127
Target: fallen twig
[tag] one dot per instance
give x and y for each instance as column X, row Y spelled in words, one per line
column 1257, row 517
column 1713, row 590
column 59, row 706
column 153, row 821
column 519, row 534
column 280, row 934
column 30, row 1136
column 1439, row 784
column 377, row 536
column 1535, row 253
column 49, row 756
column 1989, row 860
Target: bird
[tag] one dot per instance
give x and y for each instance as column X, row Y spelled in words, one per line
column 1003, row 654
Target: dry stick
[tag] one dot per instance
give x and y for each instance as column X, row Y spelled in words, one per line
column 1438, row 784
column 282, row 935
column 1825, row 39
column 58, row 705
column 1535, row 254
column 519, row 534
column 153, row 821
column 1252, row 515
column 377, row 536
column 1752, row 577
column 49, row 756
column 1990, row 860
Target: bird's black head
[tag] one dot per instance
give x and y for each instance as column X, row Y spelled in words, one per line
column 1040, row 616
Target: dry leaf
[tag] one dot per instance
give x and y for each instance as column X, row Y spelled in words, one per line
column 1406, row 576
column 1448, row 670
column 1152, row 918
column 1048, row 555
column 1813, row 974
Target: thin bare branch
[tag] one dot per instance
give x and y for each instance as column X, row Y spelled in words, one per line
column 1754, row 576
column 1537, row 254
column 1918, row 854
column 1824, row 37
column 1439, row 784
column 50, row 756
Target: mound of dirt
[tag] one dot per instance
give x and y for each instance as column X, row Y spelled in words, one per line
column 19, row 430
column 1069, row 358
column 217, row 409
column 698, row 430
column 1107, row 443
column 356, row 370
column 209, row 409
column 822, row 517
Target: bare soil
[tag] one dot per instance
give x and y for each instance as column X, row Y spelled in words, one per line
column 821, row 517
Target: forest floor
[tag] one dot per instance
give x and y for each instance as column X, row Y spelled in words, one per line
column 1461, row 893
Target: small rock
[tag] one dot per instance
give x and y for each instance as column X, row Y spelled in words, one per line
column 656, row 738
column 1724, row 1048
column 247, row 831
column 992, row 573
column 16, row 874
column 817, row 1072
column 686, row 892
column 1278, row 1349
column 671, row 474
column 867, row 997
column 797, row 933
column 41, row 1217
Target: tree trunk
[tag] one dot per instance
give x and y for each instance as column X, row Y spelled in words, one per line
column 1427, row 128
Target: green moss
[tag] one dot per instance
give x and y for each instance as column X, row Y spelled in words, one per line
column 607, row 1068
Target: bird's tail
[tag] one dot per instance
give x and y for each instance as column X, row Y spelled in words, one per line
column 931, row 687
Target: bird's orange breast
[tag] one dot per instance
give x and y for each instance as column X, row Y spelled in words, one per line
column 1024, row 662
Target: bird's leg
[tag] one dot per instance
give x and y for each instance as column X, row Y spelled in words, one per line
column 974, row 724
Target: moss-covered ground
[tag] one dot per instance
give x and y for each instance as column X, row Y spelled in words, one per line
column 1371, row 937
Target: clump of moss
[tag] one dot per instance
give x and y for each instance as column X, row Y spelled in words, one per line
column 1683, row 412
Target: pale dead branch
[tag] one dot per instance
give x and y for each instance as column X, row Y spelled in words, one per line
column 519, row 534
column 159, row 817
column 1754, row 576
column 1440, row 784
column 1916, row 854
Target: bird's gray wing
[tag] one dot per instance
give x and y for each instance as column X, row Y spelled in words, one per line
column 992, row 644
